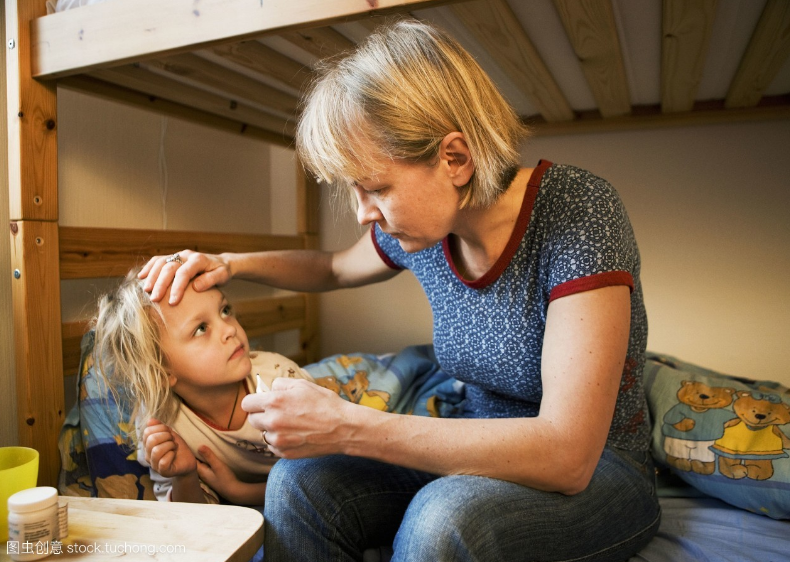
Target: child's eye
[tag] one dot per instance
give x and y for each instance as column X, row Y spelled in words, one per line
column 200, row 330
column 227, row 310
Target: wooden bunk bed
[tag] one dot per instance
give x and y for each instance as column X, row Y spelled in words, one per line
column 206, row 61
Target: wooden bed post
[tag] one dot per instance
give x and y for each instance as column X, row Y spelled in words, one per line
column 308, row 225
column 33, row 204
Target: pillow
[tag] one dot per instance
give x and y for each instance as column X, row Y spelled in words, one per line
column 725, row 436
column 96, row 456
column 407, row 382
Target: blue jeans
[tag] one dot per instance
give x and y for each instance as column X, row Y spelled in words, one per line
column 333, row 508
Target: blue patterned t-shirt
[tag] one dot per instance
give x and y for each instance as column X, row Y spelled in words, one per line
column 572, row 235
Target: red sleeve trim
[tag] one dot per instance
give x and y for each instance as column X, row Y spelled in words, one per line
column 597, row 281
column 382, row 254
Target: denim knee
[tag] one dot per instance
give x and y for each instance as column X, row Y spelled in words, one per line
column 297, row 511
column 288, row 485
column 464, row 518
column 332, row 508
column 445, row 521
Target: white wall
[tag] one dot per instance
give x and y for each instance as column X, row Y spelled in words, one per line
column 710, row 206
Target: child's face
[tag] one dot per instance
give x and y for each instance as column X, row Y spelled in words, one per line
column 204, row 344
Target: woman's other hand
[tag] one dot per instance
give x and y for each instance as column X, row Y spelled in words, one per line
column 301, row 419
column 179, row 269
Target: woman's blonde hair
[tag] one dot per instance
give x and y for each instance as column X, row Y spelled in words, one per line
column 128, row 351
column 403, row 90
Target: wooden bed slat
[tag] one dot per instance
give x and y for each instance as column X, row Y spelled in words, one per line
column 212, row 75
column 592, row 30
column 320, row 42
column 768, row 49
column 104, row 34
column 650, row 117
column 143, row 80
column 686, row 30
column 268, row 316
column 121, row 94
column 87, row 253
column 264, row 60
column 495, row 26
column 371, row 23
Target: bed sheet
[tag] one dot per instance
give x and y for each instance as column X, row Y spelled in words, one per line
column 709, row 530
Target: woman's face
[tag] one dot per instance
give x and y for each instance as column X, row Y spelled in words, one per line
column 417, row 204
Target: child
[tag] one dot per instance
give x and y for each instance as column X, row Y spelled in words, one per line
column 188, row 367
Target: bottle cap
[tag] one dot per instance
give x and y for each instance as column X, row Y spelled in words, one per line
column 33, row 499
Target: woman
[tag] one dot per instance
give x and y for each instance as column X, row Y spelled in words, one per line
column 533, row 279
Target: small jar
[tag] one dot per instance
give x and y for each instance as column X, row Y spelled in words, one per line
column 32, row 523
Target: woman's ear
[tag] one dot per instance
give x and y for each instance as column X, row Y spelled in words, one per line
column 454, row 153
column 171, row 379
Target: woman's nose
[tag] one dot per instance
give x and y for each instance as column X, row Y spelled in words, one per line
column 367, row 212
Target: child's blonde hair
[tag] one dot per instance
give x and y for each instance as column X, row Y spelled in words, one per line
column 405, row 88
column 128, row 351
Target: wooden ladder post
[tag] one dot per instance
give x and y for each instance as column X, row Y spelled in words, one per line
column 308, row 225
column 33, row 205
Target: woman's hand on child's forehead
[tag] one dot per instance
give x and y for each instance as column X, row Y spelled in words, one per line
column 171, row 275
column 164, row 274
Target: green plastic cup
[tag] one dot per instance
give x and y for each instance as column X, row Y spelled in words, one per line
column 18, row 471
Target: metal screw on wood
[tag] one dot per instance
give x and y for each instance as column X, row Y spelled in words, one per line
column 17, row 274
column 11, row 43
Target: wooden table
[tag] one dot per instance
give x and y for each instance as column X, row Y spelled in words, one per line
column 110, row 529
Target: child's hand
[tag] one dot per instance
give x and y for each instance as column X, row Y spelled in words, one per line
column 166, row 452
column 222, row 479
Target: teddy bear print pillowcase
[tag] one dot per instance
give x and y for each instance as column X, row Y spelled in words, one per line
column 727, row 437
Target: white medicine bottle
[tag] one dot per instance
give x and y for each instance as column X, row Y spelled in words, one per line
column 32, row 523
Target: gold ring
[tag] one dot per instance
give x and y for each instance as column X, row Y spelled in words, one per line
column 174, row 258
column 263, row 438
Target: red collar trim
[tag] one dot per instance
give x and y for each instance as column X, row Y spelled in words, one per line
column 522, row 222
